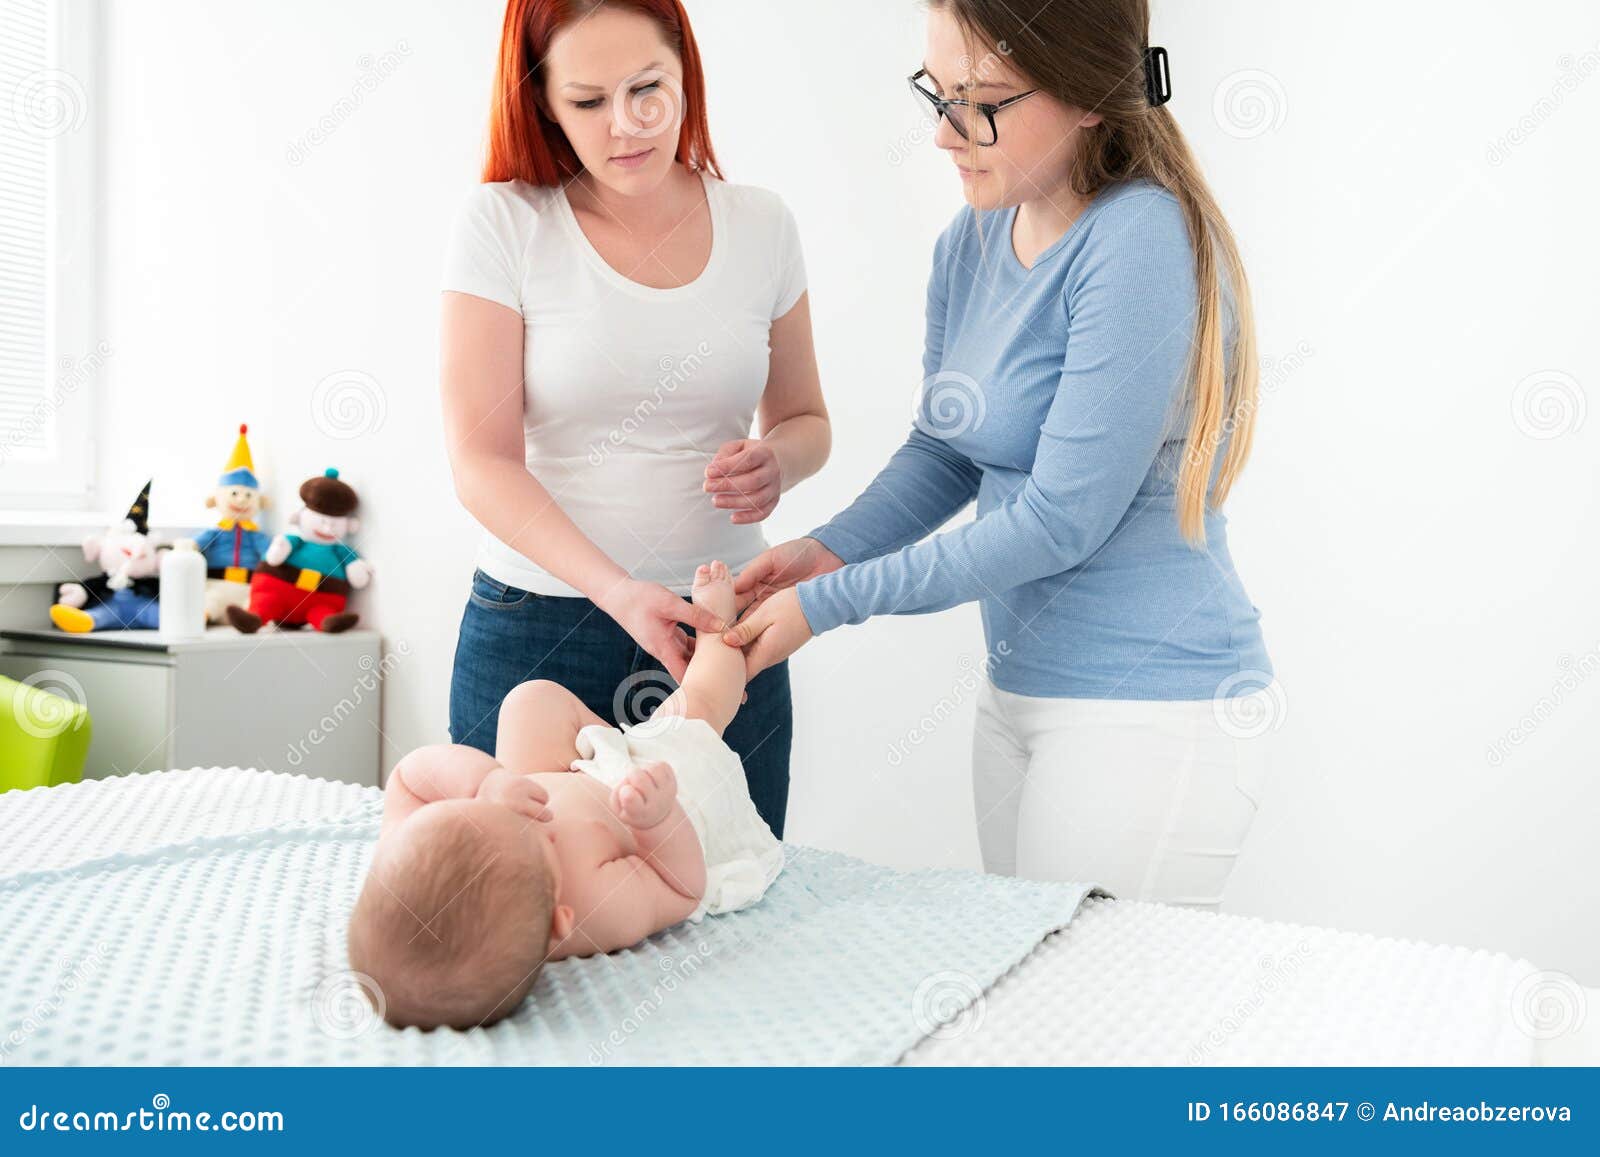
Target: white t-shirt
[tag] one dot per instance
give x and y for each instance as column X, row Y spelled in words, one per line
column 629, row 390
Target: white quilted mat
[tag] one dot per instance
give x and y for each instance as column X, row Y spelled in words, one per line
column 1124, row 983
column 1145, row 984
column 198, row 917
column 66, row 825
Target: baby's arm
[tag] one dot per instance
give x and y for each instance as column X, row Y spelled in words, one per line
column 632, row 901
column 437, row 771
column 713, row 686
column 656, row 878
column 647, row 802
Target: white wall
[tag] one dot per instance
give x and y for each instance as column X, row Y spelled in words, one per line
column 1423, row 562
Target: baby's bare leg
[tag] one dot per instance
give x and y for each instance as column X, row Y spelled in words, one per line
column 714, row 683
column 539, row 725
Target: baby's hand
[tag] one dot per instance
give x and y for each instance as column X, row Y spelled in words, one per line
column 520, row 793
column 645, row 797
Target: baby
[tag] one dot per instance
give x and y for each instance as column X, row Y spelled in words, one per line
column 574, row 839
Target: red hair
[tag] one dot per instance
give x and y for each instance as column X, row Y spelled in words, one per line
column 524, row 143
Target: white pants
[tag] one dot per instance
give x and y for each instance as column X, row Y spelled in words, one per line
column 1149, row 799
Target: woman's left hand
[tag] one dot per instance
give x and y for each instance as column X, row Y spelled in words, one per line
column 770, row 633
column 745, row 478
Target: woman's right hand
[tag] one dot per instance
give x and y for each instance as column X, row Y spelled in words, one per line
column 781, row 567
column 650, row 613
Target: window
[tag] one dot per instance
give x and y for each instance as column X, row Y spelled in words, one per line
column 50, row 354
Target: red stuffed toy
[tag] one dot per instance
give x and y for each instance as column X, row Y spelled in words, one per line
column 307, row 577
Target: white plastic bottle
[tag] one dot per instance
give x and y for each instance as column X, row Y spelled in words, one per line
column 183, row 591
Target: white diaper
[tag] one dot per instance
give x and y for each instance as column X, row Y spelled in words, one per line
column 743, row 857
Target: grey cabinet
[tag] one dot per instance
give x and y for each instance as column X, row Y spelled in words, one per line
column 293, row 701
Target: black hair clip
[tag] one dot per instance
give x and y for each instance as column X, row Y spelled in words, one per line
column 1157, row 77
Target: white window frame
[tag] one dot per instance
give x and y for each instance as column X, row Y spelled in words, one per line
column 63, row 476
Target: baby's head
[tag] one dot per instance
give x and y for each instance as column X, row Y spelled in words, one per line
column 454, row 920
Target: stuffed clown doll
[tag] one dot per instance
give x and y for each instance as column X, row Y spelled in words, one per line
column 233, row 548
column 125, row 595
column 307, row 577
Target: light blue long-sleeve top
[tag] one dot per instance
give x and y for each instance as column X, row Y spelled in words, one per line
column 1056, row 397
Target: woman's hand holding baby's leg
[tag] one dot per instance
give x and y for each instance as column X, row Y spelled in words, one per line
column 646, row 797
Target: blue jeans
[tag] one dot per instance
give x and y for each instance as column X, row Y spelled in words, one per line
column 126, row 611
column 509, row 635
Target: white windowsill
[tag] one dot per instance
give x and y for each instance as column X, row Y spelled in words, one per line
column 70, row 527
column 50, row 527
column 46, row 546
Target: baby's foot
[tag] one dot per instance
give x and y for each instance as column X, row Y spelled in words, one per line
column 713, row 590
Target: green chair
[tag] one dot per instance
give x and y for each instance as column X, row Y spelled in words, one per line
column 44, row 738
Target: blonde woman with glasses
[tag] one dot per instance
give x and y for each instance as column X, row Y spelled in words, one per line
column 1090, row 382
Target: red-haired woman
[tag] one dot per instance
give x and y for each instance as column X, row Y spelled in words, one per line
column 614, row 316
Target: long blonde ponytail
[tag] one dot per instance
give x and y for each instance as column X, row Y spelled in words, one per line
column 1089, row 54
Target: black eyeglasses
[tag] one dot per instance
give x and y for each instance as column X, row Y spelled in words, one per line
column 972, row 119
